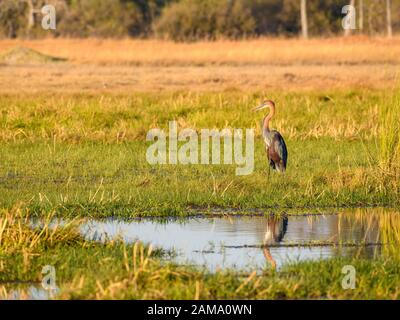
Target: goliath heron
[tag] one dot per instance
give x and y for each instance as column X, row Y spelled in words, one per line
column 274, row 233
column 275, row 146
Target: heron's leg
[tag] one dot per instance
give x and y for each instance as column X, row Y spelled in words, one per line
column 269, row 161
column 269, row 258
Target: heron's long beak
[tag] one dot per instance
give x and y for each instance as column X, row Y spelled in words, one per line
column 261, row 106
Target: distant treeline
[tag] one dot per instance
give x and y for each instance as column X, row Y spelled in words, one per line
column 187, row 20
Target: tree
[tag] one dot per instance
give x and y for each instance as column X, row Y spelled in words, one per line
column 190, row 20
column 361, row 16
column 150, row 11
column 304, row 24
column 33, row 6
column 347, row 31
column 11, row 22
column 100, row 18
column 389, row 18
column 267, row 15
column 31, row 14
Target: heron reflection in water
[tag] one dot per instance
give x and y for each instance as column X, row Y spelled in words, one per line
column 275, row 231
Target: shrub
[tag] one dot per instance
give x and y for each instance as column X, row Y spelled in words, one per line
column 208, row 19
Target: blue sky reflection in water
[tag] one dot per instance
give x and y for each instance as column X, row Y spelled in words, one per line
column 234, row 242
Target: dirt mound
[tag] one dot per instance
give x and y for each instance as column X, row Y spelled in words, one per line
column 21, row 55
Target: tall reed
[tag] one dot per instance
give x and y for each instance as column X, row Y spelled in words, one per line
column 389, row 135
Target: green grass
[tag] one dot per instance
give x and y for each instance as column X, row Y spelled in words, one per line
column 99, row 179
column 114, row 279
column 136, row 272
column 115, row 118
column 84, row 154
column 389, row 135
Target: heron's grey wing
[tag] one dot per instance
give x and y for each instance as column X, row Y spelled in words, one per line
column 282, row 228
column 281, row 148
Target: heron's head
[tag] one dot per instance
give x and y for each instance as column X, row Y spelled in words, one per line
column 265, row 104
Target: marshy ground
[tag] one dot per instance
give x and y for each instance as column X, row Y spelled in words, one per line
column 73, row 145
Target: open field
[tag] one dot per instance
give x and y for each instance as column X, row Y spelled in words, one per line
column 71, row 78
column 85, row 151
column 73, row 145
column 354, row 50
column 107, row 66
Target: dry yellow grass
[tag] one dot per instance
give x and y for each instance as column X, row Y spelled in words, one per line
column 96, row 65
column 356, row 50
column 67, row 78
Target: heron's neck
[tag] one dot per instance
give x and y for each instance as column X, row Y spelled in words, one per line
column 268, row 118
column 268, row 256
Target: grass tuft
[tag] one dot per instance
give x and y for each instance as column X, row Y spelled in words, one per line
column 389, row 134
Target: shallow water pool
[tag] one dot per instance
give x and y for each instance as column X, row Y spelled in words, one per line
column 248, row 242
